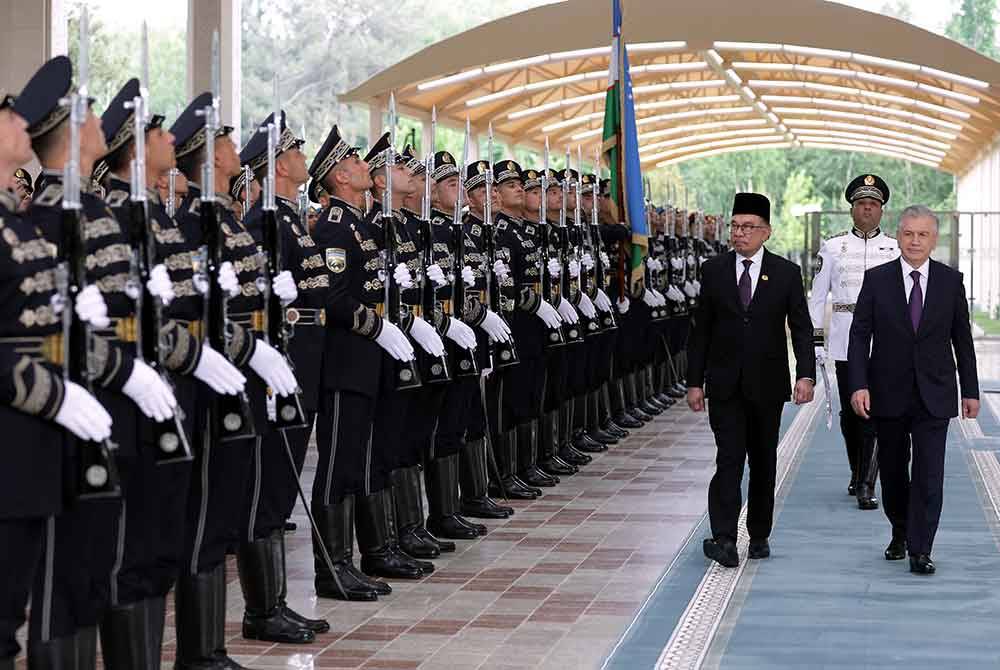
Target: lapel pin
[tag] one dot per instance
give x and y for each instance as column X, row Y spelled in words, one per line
column 763, row 277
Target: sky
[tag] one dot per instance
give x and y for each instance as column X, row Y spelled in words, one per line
column 929, row 14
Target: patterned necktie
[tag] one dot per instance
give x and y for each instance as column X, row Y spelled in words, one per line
column 916, row 301
column 745, row 284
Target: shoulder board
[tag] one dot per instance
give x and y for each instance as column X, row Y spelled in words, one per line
column 832, row 237
column 50, row 196
column 335, row 215
column 439, row 220
column 502, row 224
column 116, row 198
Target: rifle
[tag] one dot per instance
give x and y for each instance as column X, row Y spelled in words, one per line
column 406, row 374
column 168, row 436
column 171, row 204
column 591, row 326
column 228, row 417
column 503, row 354
column 567, row 283
column 555, row 337
column 96, row 466
column 287, row 410
column 608, row 321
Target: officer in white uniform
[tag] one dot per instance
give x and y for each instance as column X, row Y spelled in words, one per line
column 840, row 269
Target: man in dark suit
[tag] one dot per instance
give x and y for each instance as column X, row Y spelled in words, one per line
column 738, row 348
column 910, row 315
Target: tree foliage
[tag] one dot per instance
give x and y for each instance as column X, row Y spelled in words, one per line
column 974, row 25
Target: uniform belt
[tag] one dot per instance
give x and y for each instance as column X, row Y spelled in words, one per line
column 845, row 307
column 196, row 328
column 255, row 319
column 44, row 347
column 445, row 306
column 506, row 304
column 301, row 316
column 124, row 329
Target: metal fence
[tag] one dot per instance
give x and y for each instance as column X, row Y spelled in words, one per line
column 968, row 241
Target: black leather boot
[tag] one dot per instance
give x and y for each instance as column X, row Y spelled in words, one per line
column 578, row 436
column 638, row 380
column 132, row 635
column 626, row 416
column 473, row 484
column 527, row 457
column 277, row 544
column 53, row 654
column 335, row 524
column 510, row 485
column 219, row 621
column 7, row 663
column 548, row 460
column 380, row 555
column 607, row 412
column 198, row 616
column 264, row 617
column 86, row 648
column 410, row 514
column 594, row 429
column 442, row 501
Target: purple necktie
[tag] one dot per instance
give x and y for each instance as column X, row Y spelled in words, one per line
column 916, row 301
column 745, row 285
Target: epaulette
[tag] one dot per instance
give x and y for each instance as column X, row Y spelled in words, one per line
column 837, row 235
column 116, row 198
column 502, row 224
column 439, row 220
column 50, row 197
column 335, row 215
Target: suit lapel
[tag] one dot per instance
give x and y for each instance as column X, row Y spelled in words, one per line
column 933, row 296
column 763, row 279
column 901, row 294
column 734, row 286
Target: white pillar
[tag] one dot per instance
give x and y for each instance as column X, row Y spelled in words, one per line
column 204, row 18
column 31, row 32
column 376, row 125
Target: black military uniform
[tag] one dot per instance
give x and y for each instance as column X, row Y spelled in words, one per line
column 270, row 497
column 221, row 471
column 353, row 367
column 71, row 594
column 31, row 394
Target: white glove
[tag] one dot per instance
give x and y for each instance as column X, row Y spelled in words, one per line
column 676, row 263
column 690, row 260
column 548, row 314
column 649, row 298
column 566, row 312
column 587, row 307
column 149, row 392
column 602, row 301
column 697, row 287
column 623, row 304
column 427, row 337
column 605, row 259
column 485, row 372
column 394, row 342
column 574, row 268
column 436, row 275
column 90, row 307
column 501, row 270
column 587, row 261
column 495, row 327
column 653, row 265
column 674, row 294
column 272, row 367
column 228, row 281
column 461, row 334
column 215, row 370
column 82, row 415
column 402, row 276
column 468, row 276
column 821, row 355
column 554, row 267
column 284, row 287
column 689, row 289
column 660, row 300
column 159, row 284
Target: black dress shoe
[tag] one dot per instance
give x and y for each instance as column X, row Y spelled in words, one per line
column 665, row 400
column 896, row 551
column 573, row 456
column 759, row 549
column 722, row 552
column 612, row 428
column 443, row 545
column 558, row 467
column 650, row 409
column 513, row 489
column 583, row 442
column 656, row 402
column 602, row 436
column 315, row 625
column 676, row 393
column 533, row 476
column 866, row 498
column 450, row 527
column 417, row 545
column 626, row 420
column 639, row 415
column 922, row 564
column 485, row 508
column 276, row 626
column 291, row 526
column 852, row 489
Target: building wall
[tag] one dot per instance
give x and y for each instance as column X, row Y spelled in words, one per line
column 978, row 193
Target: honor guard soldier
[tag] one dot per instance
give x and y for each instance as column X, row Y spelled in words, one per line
column 361, row 347
column 72, row 594
column 40, row 408
column 840, row 269
column 460, row 438
column 150, row 532
column 222, row 468
column 301, row 331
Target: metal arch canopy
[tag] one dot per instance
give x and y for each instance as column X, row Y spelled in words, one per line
column 711, row 76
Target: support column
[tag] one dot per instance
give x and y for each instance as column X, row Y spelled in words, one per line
column 205, row 17
column 31, row 32
column 376, row 122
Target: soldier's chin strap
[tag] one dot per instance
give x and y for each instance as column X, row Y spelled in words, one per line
column 312, row 521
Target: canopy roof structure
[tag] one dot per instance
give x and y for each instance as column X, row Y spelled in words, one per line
column 710, row 77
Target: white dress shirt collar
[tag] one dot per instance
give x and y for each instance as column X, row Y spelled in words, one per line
column 757, row 258
column 923, row 269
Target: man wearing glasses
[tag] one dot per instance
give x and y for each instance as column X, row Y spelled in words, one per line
column 738, row 357
column 840, row 268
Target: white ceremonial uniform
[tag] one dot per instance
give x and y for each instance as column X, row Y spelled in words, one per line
column 843, row 260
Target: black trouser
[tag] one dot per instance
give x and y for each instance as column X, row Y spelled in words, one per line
column 745, row 429
column 344, row 443
column 521, row 389
column 20, row 559
column 422, row 422
column 155, row 506
column 859, row 434
column 388, row 438
column 912, row 497
column 273, row 485
column 460, row 401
